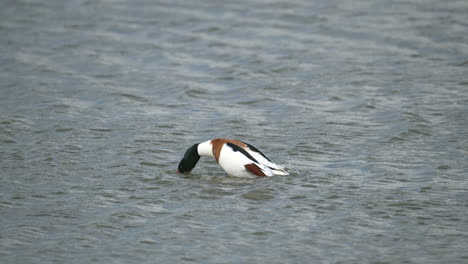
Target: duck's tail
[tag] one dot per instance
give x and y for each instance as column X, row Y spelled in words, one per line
column 280, row 172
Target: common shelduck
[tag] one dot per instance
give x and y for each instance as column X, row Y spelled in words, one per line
column 237, row 158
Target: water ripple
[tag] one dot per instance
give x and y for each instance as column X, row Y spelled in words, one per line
column 363, row 102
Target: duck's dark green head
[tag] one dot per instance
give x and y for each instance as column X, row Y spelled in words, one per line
column 189, row 160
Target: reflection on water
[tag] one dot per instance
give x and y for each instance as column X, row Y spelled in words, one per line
column 365, row 103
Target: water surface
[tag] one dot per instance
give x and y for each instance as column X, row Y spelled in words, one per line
column 365, row 103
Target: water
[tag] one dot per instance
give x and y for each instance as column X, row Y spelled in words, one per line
column 364, row 102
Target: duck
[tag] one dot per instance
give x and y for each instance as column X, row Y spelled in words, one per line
column 236, row 158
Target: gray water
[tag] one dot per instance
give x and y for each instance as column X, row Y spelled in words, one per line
column 364, row 102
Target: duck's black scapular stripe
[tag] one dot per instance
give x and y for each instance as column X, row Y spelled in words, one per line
column 237, row 148
column 256, row 150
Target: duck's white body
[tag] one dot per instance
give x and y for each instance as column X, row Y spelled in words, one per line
column 237, row 158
